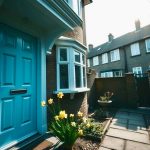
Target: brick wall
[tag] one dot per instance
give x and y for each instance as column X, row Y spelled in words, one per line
column 76, row 34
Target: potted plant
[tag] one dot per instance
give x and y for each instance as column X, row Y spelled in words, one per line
column 105, row 101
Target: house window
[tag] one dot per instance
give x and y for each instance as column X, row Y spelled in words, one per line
column 118, row 73
column 95, row 61
column 88, row 62
column 71, row 69
column 115, row 55
column 137, row 70
column 104, row 58
column 77, row 7
column 147, row 43
column 106, row 74
column 135, row 49
column 63, row 66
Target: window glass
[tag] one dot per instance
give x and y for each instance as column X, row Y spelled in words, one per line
column 78, row 76
column 84, row 77
column 95, row 61
column 115, row 55
column 88, row 62
column 104, row 58
column 63, row 54
column 137, row 70
column 63, row 76
column 83, row 59
column 77, row 56
column 135, row 49
column 148, row 45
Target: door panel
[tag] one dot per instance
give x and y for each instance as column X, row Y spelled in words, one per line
column 17, row 72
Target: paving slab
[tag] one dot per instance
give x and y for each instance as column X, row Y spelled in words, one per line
column 130, row 145
column 113, row 143
column 128, row 135
column 103, row 148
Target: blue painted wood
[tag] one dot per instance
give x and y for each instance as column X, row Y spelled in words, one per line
column 17, row 71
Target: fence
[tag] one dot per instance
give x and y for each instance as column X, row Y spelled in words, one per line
column 128, row 91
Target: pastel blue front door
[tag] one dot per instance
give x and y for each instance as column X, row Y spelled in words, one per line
column 17, row 85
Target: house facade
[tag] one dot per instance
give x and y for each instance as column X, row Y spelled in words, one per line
column 68, row 55
column 28, row 31
column 127, row 53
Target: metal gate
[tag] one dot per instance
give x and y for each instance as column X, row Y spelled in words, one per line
column 143, row 89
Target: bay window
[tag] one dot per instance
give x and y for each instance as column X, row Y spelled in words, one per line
column 71, row 69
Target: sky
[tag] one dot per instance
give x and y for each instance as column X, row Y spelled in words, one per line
column 114, row 16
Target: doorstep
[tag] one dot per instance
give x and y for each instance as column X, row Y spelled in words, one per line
column 38, row 142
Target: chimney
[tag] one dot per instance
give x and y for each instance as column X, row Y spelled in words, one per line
column 110, row 37
column 137, row 25
column 90, row 47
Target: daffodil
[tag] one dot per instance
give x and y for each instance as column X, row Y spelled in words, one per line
column 50, row 101
column 62, row 114
column 84, row 119
column 43, row 103
column 60, row 95
column 71, row 115
column 80, row 114
column 80, row 132
column 73, row 124
column 88, row 125
column 56, row 118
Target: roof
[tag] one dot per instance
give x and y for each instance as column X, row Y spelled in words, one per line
column 121, row 41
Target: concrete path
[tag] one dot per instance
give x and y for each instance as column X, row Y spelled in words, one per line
column 127, row 131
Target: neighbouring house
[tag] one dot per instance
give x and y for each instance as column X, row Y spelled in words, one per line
column 127, row 53
column 28, row 31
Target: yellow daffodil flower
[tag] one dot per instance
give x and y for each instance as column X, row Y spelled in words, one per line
column 73, row 124
column 43, row 103
column 71, row 115
column 84, row 119
column 80, row 132
column 50, row 101
column 56, row 118
column 80, row 114
column 60, row 95
column 62, row 114
column 88, row 125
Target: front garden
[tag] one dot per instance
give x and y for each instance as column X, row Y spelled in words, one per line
column 75, row 131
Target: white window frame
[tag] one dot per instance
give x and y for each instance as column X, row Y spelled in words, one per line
column 95, row 61
column 107, row 74
column 120, row 73
column 88, row 62
column 115, row 55
column 71, row 70
column 136, row 70
column 104, row 58
column 147, row 43
column 135, row 49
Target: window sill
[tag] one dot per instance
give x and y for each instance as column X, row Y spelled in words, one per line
column 115, row 60
column 136, row 55
column 148, row 52
column 73, row 91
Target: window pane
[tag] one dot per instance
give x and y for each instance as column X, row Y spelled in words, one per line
column 148, row 45
column 63, row 54
column 83, row 59
column 78, row 76
column 95, row 61
column 77, row 56
column 84, row 79
column 63, row 76
column 135, row 49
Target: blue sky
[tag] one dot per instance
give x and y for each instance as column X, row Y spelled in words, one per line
column 114, row 16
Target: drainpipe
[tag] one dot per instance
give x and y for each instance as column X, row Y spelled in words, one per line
column 125, row 59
